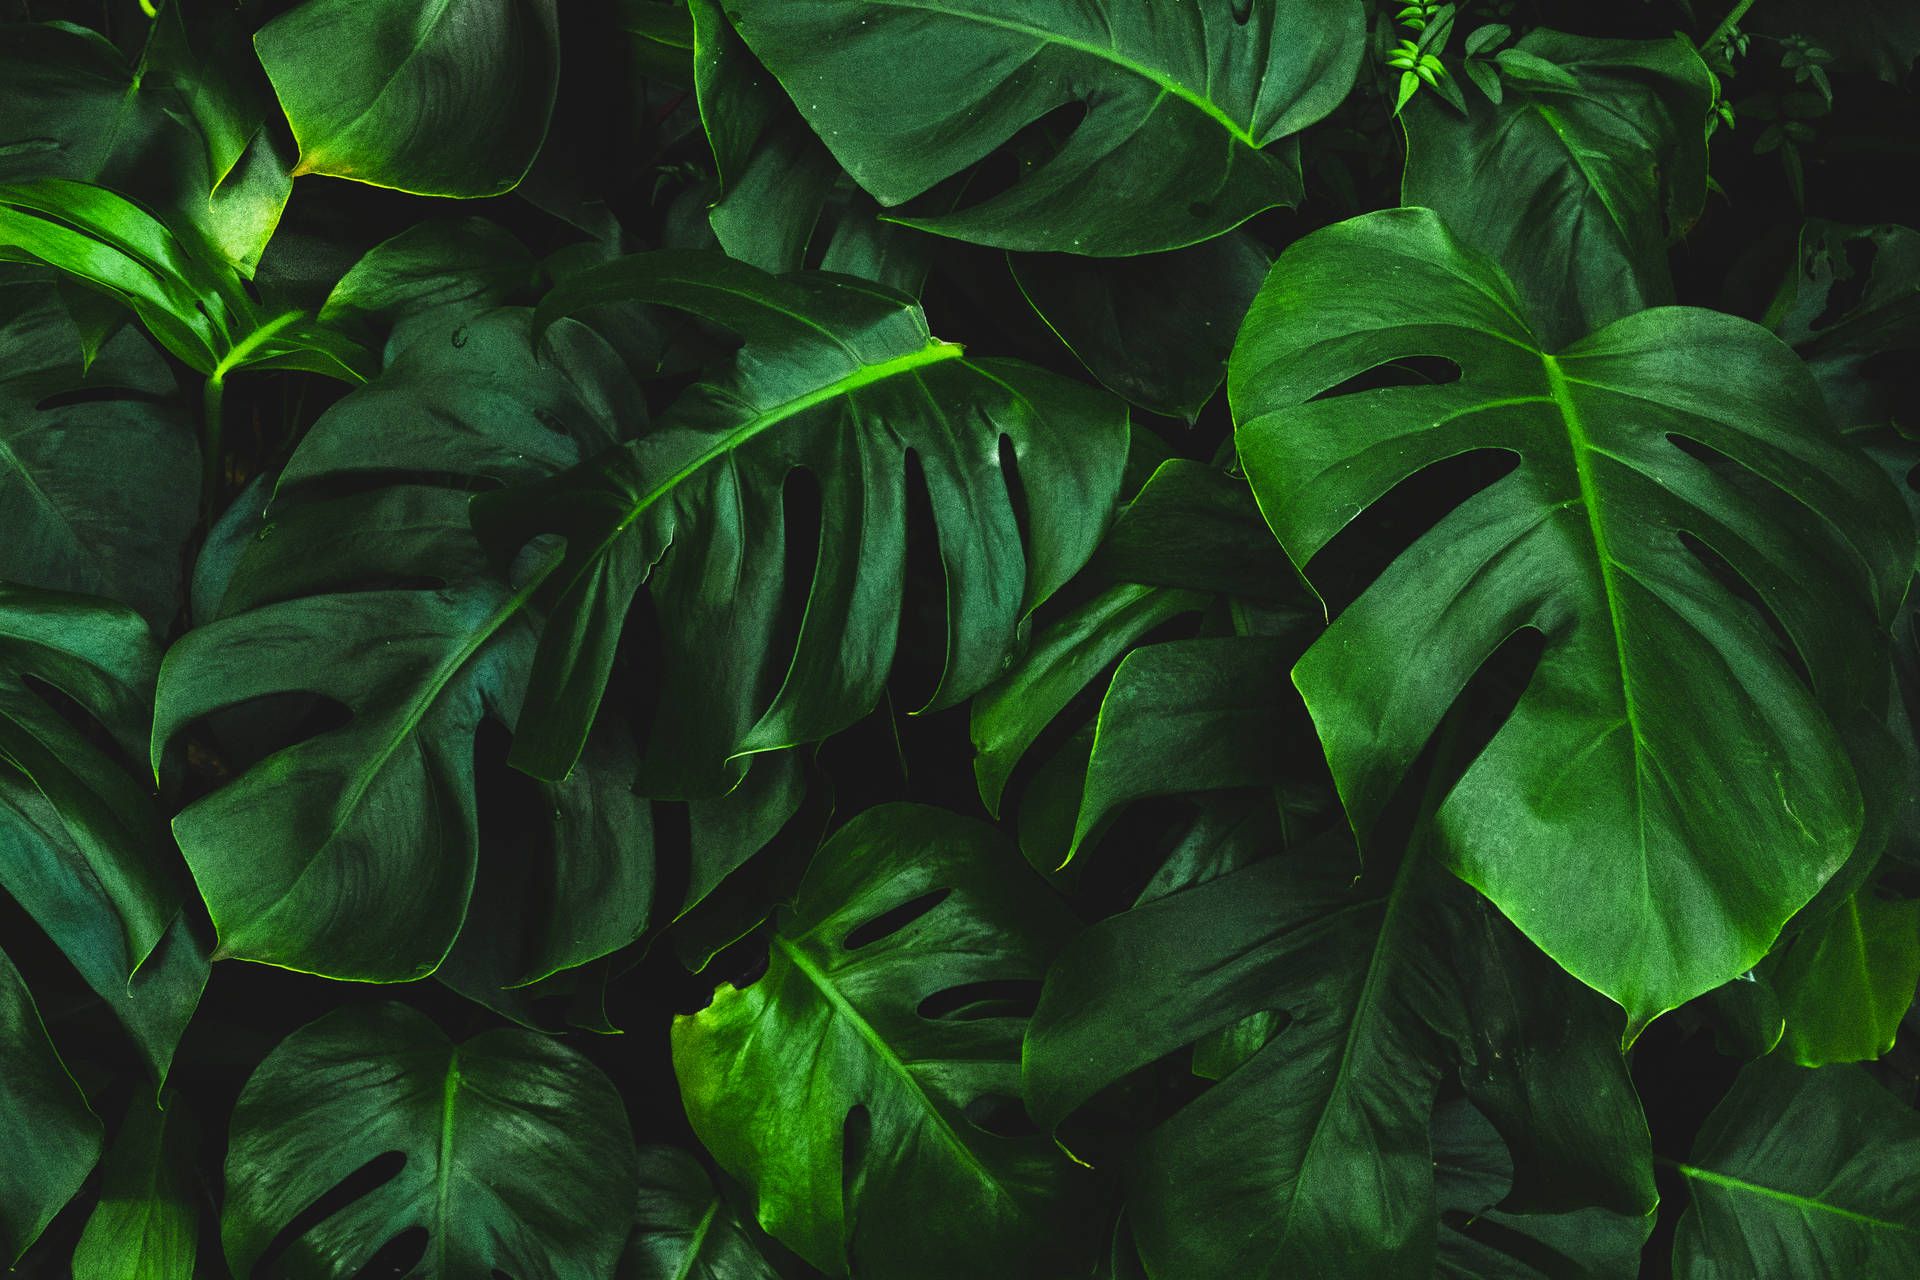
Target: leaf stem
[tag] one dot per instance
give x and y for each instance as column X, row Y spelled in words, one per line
column 211, row 403
column 214, row 398
column 1727, row 24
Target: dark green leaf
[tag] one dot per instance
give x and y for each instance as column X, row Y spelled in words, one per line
column 146, row 1225
column 82, row 847
column 1576, row 178
column 1156, row 329
column 1188, row 118
column 685, row 1229
column 1802, row 1173
column 98, row 469
column 434, row 97
column 841, row 379
column 517, row 1151
column 56, row 1135
column 1312, row 1158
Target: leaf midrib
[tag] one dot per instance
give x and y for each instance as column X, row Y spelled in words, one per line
column 1804, row 1204
column 1580, row 447
column 844, row 1008
column 1105, row 53
column 933, row 353
column 417, row 710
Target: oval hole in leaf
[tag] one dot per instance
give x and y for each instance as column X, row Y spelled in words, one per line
column 920, row 646
column 990, row 998
column 1408, row 371
column 893, row 919
column 1723, row 573
column 1031, row 146
column 855, row 1134
column 398, row 1256
column 369, row 1177
column 1375, row 537
column 1001, row 1115
column 250, row 731
column 1016, row 490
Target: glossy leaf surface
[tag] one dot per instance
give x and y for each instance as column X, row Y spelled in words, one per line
column 435, row 97
column 847, row 1094
column 1188, row 109
column 685, row 1229
column 37, row 1097
column 1313, row 1158
column 82, row 846
column 147, row 1224
column 1696, row 843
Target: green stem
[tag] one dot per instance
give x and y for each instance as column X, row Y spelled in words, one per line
column 1727, row 24
column 215, row 396
column 210, row 439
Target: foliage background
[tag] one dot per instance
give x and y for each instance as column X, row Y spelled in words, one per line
column 1812, row 122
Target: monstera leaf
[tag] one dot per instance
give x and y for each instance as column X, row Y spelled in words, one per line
column 351, row 853
column 1189, row 109
column 1802, row 1173
column 82, row 847
column 365, row 565
column 1574, row 184
column 1845, row 983
column 433, row 97
column 685, row 1229
column 97, row 469
column 1664, row 736
column 841, row 379
column 39, row 1101
column 517, row 1155
column 856, row 1082
column 1312, row 1157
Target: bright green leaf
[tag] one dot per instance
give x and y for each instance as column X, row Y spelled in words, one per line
column 850, row 1099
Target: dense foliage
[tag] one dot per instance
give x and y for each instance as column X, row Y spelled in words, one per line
column 938, row 639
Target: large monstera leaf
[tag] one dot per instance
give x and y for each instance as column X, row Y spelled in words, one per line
column 850, row 1086
column 82, row 847
column 1575, row 185
column 1802, row 1173
column 1667, row 792
column 518, row 1157
column 1190, row 107
column 353, row 852
column 841, row 379
column 1311, row 1158
column 434, row 97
